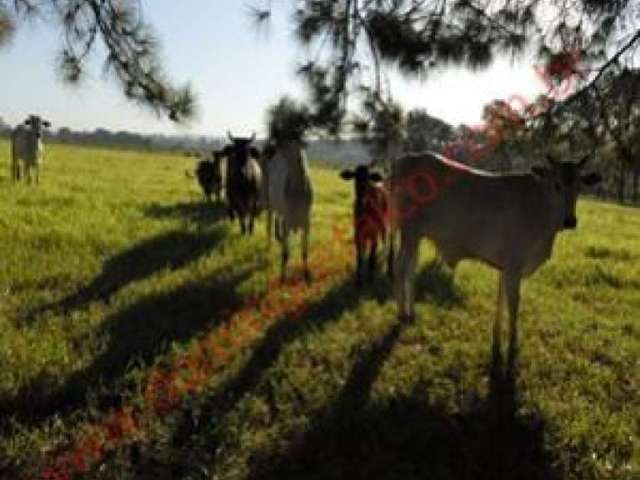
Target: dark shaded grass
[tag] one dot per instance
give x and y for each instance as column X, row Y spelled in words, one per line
column 340, row 299
column 435, row 282
column 202, row 213
column 406, row 438
column 138, row 333
column 172, row 250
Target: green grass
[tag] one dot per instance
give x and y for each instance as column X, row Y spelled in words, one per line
column 113, row 267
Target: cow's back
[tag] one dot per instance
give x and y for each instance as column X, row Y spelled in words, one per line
column 471, row 214
column 290, row 192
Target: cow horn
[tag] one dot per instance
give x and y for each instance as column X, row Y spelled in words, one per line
column 230, row 136
column 584, row 160
column 253, row 137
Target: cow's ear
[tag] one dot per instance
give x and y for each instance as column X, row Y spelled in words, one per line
column 253, row 151
column 46, row 123
column 27, row 121
column 539, row 171
column 347, row 174
column 228, row 150
column 591, row 179
column 375, row 177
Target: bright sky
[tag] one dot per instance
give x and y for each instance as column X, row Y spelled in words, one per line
column 236, row 73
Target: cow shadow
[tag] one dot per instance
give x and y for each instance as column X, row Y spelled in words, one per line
column 435, row 282
column 407, row 437
column 172, row 250
column 138, row 333
column 200, row 213
column 341, row 298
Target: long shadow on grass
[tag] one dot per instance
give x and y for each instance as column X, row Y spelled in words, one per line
column 436, row 282
column 194, row 212
column 407, row 438
column 140, row 331
column 171, row 250
column 329, row 308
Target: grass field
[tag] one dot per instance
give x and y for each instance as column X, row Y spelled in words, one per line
column 142, row 337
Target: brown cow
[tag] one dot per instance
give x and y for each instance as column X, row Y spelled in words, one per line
column 371, row 216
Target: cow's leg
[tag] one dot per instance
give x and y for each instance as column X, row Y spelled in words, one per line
column 512, row 289
column 241, row 218
column 36, row 168
column 405, row 271
column 278, row 230
column 360, row 251
column 269, row 226
column 284, row 242
column 253, row 214
column 497, row 325
column 305, row 254
column 390, row 256
column 373, row 259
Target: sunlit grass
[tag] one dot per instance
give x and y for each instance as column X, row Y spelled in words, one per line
column 125, row 299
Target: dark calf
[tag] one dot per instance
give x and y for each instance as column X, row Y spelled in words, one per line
column 371, row 215
column 205, row 173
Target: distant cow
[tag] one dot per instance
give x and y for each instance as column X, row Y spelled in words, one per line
column 371, row 217
column 27, row 148
column 507, row 221
column 209, row 175
column 290, row 196
column 243, row 183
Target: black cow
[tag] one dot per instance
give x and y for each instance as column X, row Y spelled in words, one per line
column 244, row 181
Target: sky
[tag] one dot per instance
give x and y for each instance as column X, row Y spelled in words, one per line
column 236, row 72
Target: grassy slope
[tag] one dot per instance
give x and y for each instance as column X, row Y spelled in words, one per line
column 112, row 264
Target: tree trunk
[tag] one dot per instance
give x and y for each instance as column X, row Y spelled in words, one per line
column 636, row 174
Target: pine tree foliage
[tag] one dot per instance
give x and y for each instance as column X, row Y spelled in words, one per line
column 287, row 121
column 132, row 48
column 360, row 38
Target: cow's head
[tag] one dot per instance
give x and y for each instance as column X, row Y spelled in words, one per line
column 564, row 179
column 362, row 176
column 240, row 149
column 37, row 124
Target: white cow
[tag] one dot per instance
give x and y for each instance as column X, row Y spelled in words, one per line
column 290, row 196
column 506, row 221
column 27, row 148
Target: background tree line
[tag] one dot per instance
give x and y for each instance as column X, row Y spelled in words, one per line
column 355, row 43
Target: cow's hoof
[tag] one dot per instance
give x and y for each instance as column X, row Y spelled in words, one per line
column 307, row 277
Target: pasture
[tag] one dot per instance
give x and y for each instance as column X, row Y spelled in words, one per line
column 141, row 336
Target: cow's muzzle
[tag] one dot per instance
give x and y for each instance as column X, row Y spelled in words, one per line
column 571, row 223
